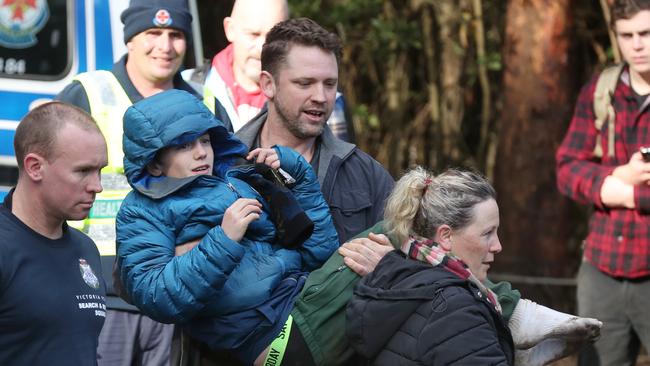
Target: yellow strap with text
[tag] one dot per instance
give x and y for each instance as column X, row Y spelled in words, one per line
column 279, row 345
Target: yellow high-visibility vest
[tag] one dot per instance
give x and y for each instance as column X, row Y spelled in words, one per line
column 108, row 101
column 209, row 99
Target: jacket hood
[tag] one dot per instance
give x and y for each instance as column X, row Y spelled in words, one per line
column 171, row 118
column 387, row 297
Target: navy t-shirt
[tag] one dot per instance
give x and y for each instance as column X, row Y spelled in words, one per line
column 52, row 295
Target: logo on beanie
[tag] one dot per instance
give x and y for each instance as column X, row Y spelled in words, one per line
column 162, row 18
column 20, row 21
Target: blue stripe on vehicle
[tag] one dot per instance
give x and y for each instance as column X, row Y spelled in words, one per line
column 7, row 143
column 18, row 104
column 103, row 41
column 80, row 34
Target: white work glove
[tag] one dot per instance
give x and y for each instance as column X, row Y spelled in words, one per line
column 542, row 335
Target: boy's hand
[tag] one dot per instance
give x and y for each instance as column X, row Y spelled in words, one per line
column 265, row 156
column 238, row 216
column 184, row 248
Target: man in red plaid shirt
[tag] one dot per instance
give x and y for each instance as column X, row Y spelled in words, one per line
column 614, row 278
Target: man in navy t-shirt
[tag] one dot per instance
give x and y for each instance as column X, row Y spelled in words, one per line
column 52, row 295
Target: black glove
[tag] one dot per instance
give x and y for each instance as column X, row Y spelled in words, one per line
column 292, row 224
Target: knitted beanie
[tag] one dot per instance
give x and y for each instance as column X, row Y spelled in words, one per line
column 144, row 14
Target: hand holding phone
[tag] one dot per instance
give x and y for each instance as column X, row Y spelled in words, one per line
column 645, row 153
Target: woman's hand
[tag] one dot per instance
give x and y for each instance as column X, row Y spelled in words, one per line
column 265, row 156
column 239, row 215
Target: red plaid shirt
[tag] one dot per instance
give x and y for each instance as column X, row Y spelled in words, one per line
column 618, row 242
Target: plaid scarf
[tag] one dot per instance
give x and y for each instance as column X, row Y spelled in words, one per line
column 428, row 251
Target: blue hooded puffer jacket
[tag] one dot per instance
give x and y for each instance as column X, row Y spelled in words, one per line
column 219, row 276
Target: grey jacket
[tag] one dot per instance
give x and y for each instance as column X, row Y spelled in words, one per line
column 353, row 183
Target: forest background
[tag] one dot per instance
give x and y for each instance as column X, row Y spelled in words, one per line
column 487, row 84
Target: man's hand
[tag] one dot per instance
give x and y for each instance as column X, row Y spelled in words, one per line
column 184, row 248
column 238, row 216
column 363, row 254
column 265, row 156
column 616, row 193
column 635, row 172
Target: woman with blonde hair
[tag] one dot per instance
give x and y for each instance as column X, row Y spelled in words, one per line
column 426, row 303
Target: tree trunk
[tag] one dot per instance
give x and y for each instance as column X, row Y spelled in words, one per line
column 538, row 97
column 452, row 59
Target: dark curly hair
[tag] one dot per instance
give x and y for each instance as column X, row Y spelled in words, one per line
column 297, row 31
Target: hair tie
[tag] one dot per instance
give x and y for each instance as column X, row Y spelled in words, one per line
column 427, row 183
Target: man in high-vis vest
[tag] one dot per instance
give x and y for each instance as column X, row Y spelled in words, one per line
column 156, row 33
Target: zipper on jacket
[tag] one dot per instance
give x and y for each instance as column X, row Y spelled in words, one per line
column 314, row 289
column 232, row 188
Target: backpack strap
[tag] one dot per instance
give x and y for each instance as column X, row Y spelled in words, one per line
column 603, row 108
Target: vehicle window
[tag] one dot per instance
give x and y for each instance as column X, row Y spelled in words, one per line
column 34, row 39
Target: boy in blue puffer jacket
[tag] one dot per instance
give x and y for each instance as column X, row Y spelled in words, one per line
column 235, row 289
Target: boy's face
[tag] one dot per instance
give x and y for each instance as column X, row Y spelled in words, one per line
column 633, row 37
column 181, row 161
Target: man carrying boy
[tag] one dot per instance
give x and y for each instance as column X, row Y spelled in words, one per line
column 300, row 101
column 235, row 289
column 614, row 278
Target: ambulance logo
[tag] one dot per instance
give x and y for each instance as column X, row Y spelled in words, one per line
column 20, row 21
column 162, row 18
column 87, row 274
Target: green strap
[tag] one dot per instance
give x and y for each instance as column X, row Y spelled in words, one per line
column 279, row 345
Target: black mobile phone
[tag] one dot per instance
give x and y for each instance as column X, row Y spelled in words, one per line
column 645, row 153
column 278, row 176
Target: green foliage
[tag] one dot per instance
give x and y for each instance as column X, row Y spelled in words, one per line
column 361, row 21
column 329, row 13
column 492, row 61
column 362, row 112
